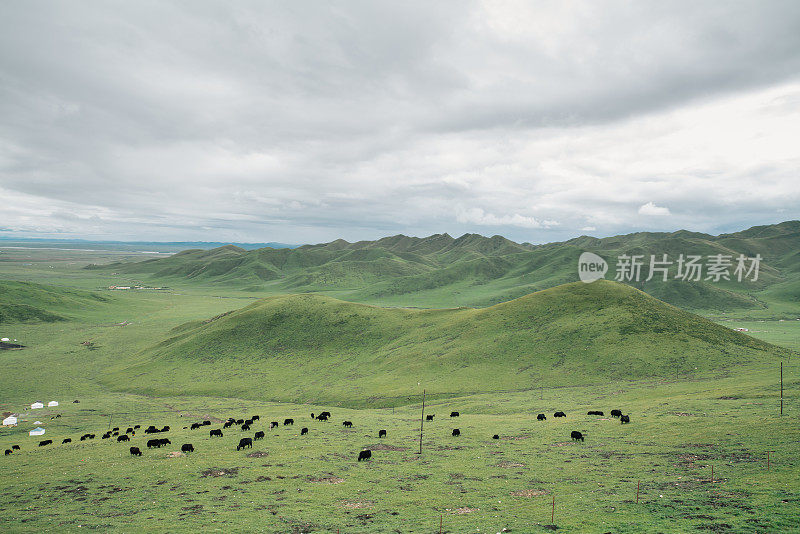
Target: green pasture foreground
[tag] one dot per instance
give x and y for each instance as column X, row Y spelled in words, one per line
column 679, row 430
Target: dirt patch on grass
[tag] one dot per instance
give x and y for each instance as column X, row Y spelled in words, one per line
column 509, row 464
column 326, row 479
column 175, row 454
column 257, row 454
column 462, row 510
column 220, row 472
column 528, row 493
column 356, row 505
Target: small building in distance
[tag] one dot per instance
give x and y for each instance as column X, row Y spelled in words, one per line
column 11, row 420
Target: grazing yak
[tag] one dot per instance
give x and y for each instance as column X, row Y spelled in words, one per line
column 215, row 432
column 454, row 414
column 105, row 436
column 321, row 417
column 616, row 413
column 347, row 424
column 46, row 442
column 495, row 437
column 15, row 447
column 312, row 415
column 625, row 419
column 366, row 454
column 153, row 443
column 244, row 442
column 594, row 412
column 239, row 421
column 195, row 426
column 227, row 424
column 248, row 422
column 304, row 431
column 115, row 429
column 559, row 414
column 137, row 427
column 575, row 435
column 129, row 430
column 151, row 430
column 259, row 435
column 430, row 417
column 255, row 418
column 273, row 424
column 123, row 437
column 206, row 423
column 135, row 451
column 326, row 414
column 165, row 441
column 66, row 440
column 165, row 429
column 541, row 417
column 187, row 447
column 456, row 432
column 8, row 451
column 245, row 427
column 288, row 421
column 381, row 433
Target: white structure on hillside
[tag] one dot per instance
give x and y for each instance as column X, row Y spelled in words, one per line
column 36, row 405
column 38, row 431
column 52, row 403
column 4, row 339
column 11, row 420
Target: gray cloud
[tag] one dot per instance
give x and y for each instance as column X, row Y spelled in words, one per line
column 304, row 121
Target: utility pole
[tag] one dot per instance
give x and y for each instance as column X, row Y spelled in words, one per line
column 421, row 420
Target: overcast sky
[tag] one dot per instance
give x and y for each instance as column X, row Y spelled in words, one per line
column 304, row 122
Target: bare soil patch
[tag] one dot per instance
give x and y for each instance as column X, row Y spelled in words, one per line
column 326, row 479
column 220, row 472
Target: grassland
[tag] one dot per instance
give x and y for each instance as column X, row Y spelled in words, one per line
column 723, row 414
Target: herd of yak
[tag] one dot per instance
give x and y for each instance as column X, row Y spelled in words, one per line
column 245, row 424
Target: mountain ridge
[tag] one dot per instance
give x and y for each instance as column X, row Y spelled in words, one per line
column 440, row 270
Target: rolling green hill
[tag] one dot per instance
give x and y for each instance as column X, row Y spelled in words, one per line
column 28, row 302
column 473, row 270
column 311, row 348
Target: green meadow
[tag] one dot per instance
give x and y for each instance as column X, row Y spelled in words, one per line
column 700, row 397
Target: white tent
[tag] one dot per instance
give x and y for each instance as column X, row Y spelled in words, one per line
column 36, row 405
column 37, row 422
column 5, row 339
column 38, row 431
column 10, row 420
column 52, row 403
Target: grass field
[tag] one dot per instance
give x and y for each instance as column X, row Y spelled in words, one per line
column 725, row 417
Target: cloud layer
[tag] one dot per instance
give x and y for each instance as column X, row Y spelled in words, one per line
column 305, row 122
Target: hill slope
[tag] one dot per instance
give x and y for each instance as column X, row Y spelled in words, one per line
column 309, row 348
column 28, row 302
column 440, row 270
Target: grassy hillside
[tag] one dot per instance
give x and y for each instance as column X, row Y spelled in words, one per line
column 310, row 348
column 473, row 270
column 28, row 302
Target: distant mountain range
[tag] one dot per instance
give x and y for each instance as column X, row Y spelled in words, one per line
column 473, row 270
column 155, row 246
